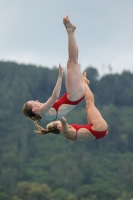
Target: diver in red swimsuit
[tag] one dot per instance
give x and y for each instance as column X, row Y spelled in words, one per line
column 55, row 108
column 95, row 129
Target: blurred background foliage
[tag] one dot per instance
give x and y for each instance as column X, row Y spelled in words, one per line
column 51, row 167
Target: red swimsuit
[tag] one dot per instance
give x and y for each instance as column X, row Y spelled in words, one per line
column 65, row 100
column 97, row 134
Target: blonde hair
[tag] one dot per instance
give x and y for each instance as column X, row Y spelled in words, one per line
column 27, row 111
column 41, row 131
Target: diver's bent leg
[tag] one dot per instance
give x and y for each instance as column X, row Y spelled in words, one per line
column 94, row 116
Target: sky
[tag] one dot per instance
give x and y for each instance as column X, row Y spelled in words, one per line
column 32, row 32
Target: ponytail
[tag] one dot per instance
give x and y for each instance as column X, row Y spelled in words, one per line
column 40, row 130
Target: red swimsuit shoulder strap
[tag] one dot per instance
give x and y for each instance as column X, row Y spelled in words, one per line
column 76, row 127
column 72, row 138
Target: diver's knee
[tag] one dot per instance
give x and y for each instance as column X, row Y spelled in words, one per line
column 71, row 62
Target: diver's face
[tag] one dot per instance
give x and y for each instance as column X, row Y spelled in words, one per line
column 35, row 105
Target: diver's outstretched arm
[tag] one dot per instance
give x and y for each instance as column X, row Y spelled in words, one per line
column 55, row 94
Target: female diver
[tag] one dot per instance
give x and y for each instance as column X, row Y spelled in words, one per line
column 55, row 108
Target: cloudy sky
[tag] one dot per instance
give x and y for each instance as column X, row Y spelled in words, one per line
column 31, row 31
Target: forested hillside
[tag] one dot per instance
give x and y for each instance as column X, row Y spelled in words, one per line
column 51, row 167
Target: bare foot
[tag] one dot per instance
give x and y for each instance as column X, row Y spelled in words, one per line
column 85, row 79
column 68, row 24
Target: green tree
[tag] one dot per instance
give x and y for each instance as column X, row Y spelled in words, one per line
column 34, row 191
